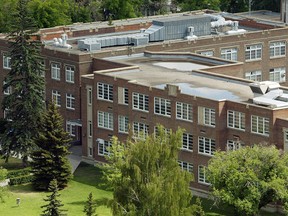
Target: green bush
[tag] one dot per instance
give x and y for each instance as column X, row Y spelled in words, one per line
column 21, row 180
column 17, row 173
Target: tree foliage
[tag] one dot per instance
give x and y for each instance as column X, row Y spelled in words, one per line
column 53, row 208
column 50, row 161
column 90, row 206
column 24, row 106
column 146, row 178
column 249, row 178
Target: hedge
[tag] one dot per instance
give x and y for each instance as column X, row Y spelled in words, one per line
column 21, row 180
column 17, row 173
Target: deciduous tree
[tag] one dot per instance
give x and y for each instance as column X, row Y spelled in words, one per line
column 249, row 178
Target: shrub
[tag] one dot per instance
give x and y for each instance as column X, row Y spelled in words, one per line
column 17, row 173
column 21, row 180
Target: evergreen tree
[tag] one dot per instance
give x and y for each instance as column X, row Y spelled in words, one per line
column 50, row 161
column 24, row 106
column 89, row 207
column 54, row 204
column 146, row 178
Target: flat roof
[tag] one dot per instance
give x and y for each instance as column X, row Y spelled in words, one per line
column 157, row 73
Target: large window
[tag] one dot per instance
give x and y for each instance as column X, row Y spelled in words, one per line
column 186, row 166
column 206, row 116
column 56, row 97
column 260, row 125
column 187, row 141
column 233, row 145
column 277, row 49
column 123, row 96
column 254, row 75
column 105, row 91
column 69, row 73
column 55, row 71
column 6, row 62
column 70, row 101
column 206, row 146
column 162, row 106
column 140, row 130
column 123, row 124
column 71, row 129
column 140, row 101
column 236, row 120
column 105, row 120
column 277, row 74
column 202, row 175
column 184, row 111
column 103, row 146
column 229, row 54
column 253, row 52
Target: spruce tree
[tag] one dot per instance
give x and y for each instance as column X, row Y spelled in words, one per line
column 54, row 204
column 90, row 207
column 50, row 160
column 24, row 106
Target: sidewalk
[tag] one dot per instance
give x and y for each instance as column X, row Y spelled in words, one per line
column 75, row 157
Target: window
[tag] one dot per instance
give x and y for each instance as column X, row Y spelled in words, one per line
column 206, row 53
column 184, row 111
column 254, row 75
column 140, row 130
column 103, row 146
column 69, row 73
column 56, row 98
column 186, row 166
column 157, row 132
column 90, row 128
column 229, row 54
column 6, row 62
column 123, row 96
column 233, row 145
column 140, row 102
column 123, row 124
column 105, row 120
column 236, row 120
column 206, row 116
column 89, row 96
column 206, row 146
column 70, row 101
column 42, row 68
column 6, row 113
column 202, row 175
column 71, row 129
column 90, row 151
column 187, row 141
column 277, row 49
column 162, row 106
column 260, row 125
column 7, row 90
column 105, row 91
column 277, row 74
column 55, row 71
column 253, row 52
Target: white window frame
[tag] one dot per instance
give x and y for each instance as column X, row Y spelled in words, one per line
column 229, row 53
column 207, row 116
column 70, row 101
column 55, row 71
column 123, row 124
column 202, row 175
column 56, row 97
column 233, row 145
column 208, row 53
column 105, row 120
column 260, row 125
column 140, row 130
column 70, row 73
column 8, row 90
column 90, row 151
column 184, row 111
column 254, row 75
column 105, row 91
column 236, row 120
column 206, row 146
column 123, row 96
column 187, row 142
column 6, row 62
column 277, row 74
column 186, row 166
column 253, row 52
column 277, row 49
column 103, row 146
column 162, row 106
column 140, row 102
column 71, row 129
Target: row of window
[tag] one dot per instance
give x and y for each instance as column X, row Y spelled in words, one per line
column 185, row 166
column 275, row 74
column 252, row 52
column 70, row 99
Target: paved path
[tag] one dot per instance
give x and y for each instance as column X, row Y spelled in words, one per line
column 75, row 157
